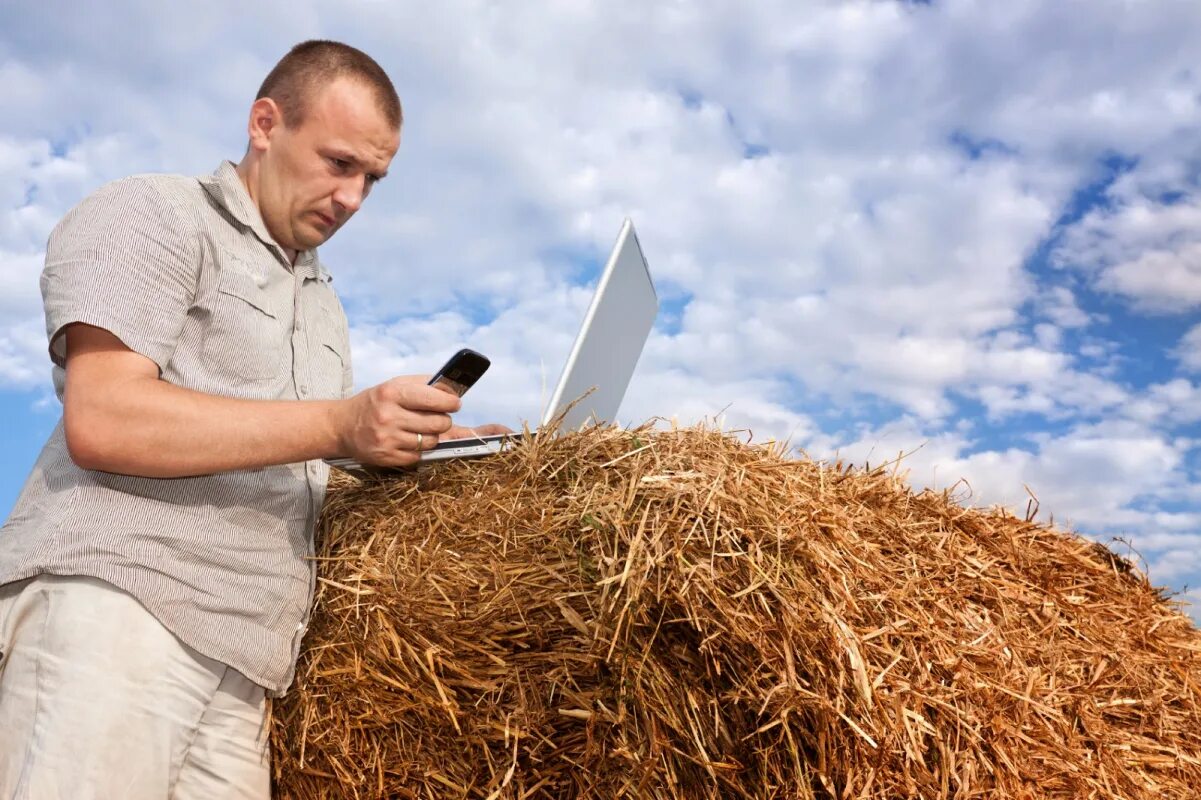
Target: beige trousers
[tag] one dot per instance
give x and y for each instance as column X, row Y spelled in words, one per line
column 99, row 700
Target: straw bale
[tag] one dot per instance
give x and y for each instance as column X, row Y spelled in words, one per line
column 675, row 614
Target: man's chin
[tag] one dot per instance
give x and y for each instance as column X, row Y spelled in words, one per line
column 309, row 239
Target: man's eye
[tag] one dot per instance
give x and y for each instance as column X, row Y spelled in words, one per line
column 340, row 163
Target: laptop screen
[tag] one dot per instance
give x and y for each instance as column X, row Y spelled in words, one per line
column 610, row 340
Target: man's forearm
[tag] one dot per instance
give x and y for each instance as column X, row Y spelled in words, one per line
column 121, row 417
column 146, row 426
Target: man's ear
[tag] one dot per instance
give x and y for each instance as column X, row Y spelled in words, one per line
column 265, row 117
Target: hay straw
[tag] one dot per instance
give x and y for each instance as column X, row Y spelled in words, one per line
column 675, row 614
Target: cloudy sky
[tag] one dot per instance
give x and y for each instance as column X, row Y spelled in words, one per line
column 966, row 231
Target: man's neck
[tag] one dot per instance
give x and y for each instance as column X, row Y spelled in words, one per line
column 248, row 173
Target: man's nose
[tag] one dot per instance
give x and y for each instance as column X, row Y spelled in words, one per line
column 350, row 193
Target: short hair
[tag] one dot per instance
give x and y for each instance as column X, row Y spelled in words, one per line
column 313, row 64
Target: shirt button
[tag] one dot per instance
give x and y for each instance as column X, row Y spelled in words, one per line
column 299, row 325
column 304, row 390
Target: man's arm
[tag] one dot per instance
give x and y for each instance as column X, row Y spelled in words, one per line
column 119, row 416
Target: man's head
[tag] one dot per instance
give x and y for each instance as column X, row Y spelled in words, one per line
column 323, row 129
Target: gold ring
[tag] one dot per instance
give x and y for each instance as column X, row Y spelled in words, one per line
column 419, row 441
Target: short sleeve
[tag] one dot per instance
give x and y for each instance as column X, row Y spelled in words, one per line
column 123, row 260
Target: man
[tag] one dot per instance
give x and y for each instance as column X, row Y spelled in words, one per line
column 155, row 578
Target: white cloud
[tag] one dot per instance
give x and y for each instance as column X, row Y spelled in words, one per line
column 1140, row 246
column 1177, row 402
column 1160, row 279
column 1059, row 305
column 1188, row 351
column 24, row 363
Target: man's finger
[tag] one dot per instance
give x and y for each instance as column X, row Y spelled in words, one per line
column 426, row 422
column 423, row 441
column 418, row 380
column 421, row 397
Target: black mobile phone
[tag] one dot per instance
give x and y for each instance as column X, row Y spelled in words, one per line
column 461, row 372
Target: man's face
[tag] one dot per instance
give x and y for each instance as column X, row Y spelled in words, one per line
column 314, row 177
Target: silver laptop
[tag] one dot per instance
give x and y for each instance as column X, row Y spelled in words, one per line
column 606, row 350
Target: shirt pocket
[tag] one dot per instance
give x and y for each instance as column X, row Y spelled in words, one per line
column 332, row 356
column 246, row 336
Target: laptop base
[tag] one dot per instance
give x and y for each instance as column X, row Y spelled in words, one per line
column 444, row 451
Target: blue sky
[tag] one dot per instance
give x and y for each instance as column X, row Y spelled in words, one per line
column 967, row 231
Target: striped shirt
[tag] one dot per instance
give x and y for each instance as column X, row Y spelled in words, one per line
column 183, row 271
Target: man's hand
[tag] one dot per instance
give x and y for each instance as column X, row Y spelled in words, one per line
column 390, row 424
column 461, row 432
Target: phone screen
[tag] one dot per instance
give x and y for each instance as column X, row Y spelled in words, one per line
column 461, row 372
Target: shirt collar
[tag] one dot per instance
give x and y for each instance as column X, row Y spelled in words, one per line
column 309, row 266
column 226, row 187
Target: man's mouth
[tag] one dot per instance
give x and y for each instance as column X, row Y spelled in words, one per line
column 329, row 221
